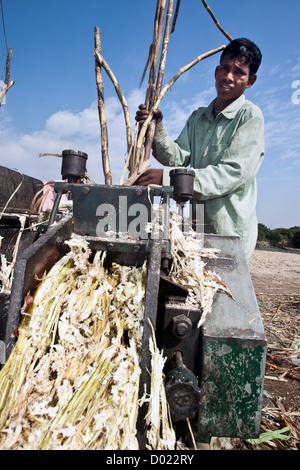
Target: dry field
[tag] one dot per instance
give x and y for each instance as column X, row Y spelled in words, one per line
column 276, row 279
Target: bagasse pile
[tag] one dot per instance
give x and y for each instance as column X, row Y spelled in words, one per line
column 188, row 268
column 69, row 381
column 72, row 379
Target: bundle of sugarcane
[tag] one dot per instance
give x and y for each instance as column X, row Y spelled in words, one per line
column 72, row 379
column 71, row 382
column 139, row 146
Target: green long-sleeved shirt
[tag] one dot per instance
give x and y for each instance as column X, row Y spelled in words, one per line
column 226, row 154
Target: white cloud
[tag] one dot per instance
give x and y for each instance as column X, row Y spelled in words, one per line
column 296, row 68
column 276, row 69
column 282, row 118
column 80, row 130
column 68, row 130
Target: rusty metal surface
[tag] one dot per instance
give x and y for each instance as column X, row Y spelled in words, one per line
column 25, row 188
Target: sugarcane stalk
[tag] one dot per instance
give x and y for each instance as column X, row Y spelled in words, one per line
column 163, row 57
column 147, row 64
column 143, row 166
column 101, row 112
column 15, row 376
column 227, row 35
column 151, row 89
column 7, row 82
column 175, row 16
column 120, row 94
column 157, row 37
column 130, row 156
column 149, row 139
column 161, row 70
column 164, row 91
column 79, row 401
column 158, row 41
column 152, row 83
column 14, row 373
column 55, row 322
column 95, row 389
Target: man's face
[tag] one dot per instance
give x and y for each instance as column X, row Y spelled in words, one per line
column 232, row 79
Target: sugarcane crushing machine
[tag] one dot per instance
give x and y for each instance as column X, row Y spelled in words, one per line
column 214, row 374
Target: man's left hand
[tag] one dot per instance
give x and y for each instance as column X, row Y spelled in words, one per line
column 152, row 176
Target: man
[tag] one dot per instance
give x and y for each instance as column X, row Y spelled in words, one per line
column 224, row 144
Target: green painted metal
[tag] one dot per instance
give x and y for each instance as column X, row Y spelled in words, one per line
column 231, row 386
column 233, row 351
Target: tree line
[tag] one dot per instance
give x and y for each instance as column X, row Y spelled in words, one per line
column 279, row 236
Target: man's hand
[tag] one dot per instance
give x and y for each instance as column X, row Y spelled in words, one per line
column 143, row 113
column 152, row 176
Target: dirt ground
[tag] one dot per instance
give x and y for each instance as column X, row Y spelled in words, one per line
column 276, row 279
column 276, row 271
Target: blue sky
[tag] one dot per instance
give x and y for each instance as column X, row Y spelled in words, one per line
column 52, row 105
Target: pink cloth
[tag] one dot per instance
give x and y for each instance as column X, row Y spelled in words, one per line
column 49, row 195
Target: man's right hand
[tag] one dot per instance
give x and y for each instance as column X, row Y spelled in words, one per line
column 143, row 113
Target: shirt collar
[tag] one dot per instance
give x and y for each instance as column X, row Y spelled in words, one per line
column 229, row 112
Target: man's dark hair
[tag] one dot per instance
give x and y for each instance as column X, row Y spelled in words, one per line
column 244, row 48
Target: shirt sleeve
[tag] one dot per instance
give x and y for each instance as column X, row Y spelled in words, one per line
column 236, row 163
column 167, row 151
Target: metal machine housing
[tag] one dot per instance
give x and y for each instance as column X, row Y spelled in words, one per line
column 226, row 355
